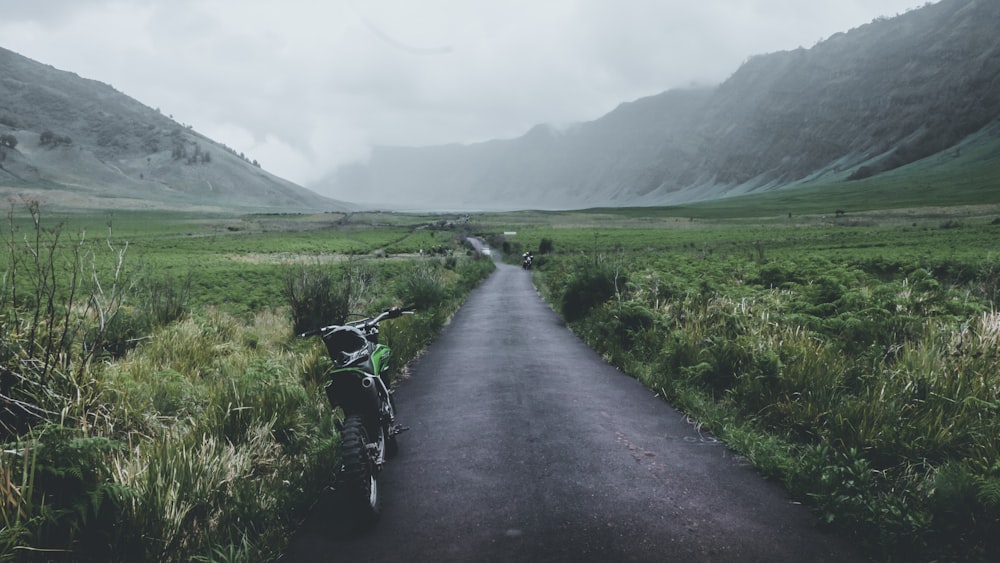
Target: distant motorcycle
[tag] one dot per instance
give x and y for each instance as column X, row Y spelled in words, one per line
column 527, row 260
column 369, row 430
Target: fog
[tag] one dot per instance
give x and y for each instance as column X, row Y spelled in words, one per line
column 304, row 86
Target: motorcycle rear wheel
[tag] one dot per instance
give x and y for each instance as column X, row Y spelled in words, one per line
column 358, row 480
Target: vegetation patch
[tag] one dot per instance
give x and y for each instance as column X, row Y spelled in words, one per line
column 155, row 401
column 862, row 376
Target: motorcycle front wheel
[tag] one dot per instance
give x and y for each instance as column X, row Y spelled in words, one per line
column 357, row 484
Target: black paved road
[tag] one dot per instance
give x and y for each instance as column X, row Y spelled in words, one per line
column 526, row 446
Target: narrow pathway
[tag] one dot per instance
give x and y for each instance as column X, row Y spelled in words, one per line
column 526, row 446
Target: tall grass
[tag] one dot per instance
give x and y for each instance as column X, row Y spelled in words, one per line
column 175, row 434
column 316, row 298
column 873, row 397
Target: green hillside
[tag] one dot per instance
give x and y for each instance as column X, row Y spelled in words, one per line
column 968, row 175
column 74, row 143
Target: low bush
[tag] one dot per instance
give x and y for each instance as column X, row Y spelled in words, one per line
column 59, row 492
column 165, row 299
column 587, row 287
column 423, row 289
column 316, row 298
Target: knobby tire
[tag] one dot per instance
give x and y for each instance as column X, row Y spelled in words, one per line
column 358, row 480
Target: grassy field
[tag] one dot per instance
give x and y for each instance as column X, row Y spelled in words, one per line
column 851, row 356
column 155, row 404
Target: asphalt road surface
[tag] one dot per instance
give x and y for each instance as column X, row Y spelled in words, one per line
column 524, row 445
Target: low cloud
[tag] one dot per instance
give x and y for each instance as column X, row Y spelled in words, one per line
column 303, row 86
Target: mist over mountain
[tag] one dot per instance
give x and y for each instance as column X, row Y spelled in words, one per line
column 72, row 142
column 858, row 104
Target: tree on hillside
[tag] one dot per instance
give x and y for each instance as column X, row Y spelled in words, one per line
column 49, row 138
column 196, row 157
column 179, row 151
column 8, row 140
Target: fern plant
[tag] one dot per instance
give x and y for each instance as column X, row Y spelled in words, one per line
column 71, row 491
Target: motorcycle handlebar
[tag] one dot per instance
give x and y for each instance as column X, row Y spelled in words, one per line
column 390, row 313
column 393, row 312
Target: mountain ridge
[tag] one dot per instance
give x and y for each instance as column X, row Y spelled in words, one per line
column 858, row 104
column 80, row 143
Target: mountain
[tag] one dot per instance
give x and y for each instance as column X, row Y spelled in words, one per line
column 78, row 143
column 856, row 105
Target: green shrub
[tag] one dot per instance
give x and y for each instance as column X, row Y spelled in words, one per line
column 956, row 502
column 472, row 273
column 423, row 289
column 778, row 274
column 165, row 300
column 634, row 318
column 120, row 334
column 316, row 298
column 71, row 502
column 174, row 395
column 586, row 288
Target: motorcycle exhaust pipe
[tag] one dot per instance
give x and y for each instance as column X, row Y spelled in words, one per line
column 368, row 382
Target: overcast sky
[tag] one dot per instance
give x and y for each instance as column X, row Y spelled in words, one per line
column 304, row 85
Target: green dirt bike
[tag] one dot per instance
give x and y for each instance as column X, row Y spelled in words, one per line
column 369, row 429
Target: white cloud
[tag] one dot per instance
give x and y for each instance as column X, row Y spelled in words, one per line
column 304, row 85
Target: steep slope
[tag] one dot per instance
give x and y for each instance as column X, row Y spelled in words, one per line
column 861, row 103
column 81, row 143
column 902, row 89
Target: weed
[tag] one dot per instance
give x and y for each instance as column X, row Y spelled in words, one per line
column 423, row 289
